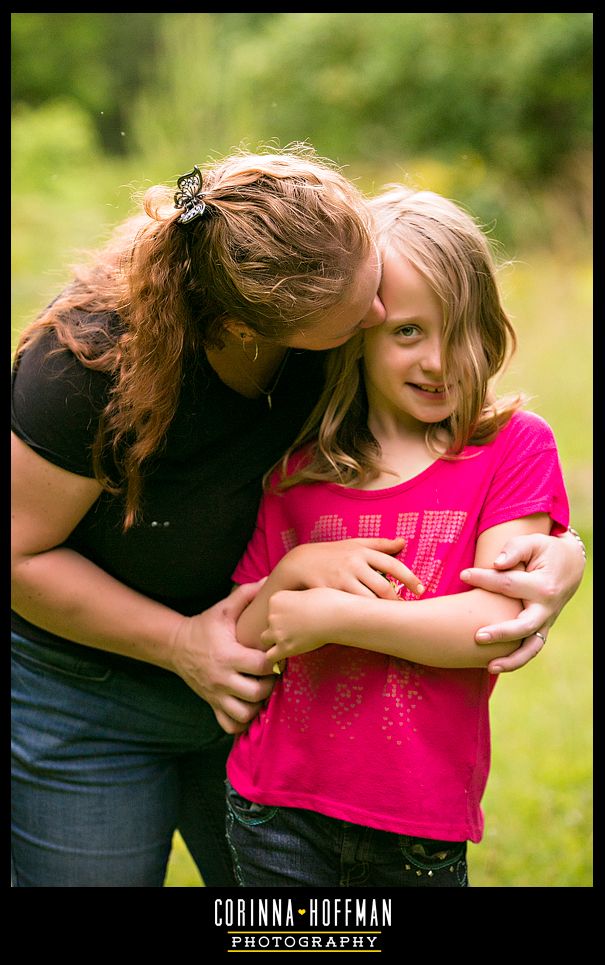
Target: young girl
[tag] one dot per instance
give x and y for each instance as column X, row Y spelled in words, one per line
column 368, row 764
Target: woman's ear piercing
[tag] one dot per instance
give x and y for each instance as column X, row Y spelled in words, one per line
column 243, row 338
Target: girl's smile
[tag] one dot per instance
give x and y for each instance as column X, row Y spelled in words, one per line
column 438, row 392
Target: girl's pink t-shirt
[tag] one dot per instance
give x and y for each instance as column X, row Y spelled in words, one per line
column 372, row 739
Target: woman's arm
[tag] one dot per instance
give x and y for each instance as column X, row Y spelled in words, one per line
column 554, row 566
column 59, row 590
column 438, row 632
column 351, row 565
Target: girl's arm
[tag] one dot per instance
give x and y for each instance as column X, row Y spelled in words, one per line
column 438, row 632
column 355, row 566
column 57, row 589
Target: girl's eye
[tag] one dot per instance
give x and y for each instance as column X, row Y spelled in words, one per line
column 408, row 330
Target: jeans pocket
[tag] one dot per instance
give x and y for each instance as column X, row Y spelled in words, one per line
column 46, row 658
column 430, row 855
column 247, row 812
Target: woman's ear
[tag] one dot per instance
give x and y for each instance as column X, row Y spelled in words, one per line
column 239, row 329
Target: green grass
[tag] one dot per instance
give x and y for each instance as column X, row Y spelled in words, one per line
column 538, row 804
column 182, row 872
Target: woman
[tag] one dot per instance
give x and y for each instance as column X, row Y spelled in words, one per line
column 148, row 400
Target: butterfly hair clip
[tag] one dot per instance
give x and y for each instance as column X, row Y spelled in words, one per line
column 189, row 196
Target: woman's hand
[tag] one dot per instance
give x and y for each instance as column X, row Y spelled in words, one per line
column 554, row 566
column 364, row 566
column 235, row 680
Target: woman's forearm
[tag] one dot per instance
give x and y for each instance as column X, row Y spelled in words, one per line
column 438, row 632
column 65, row 593
column 61, row 591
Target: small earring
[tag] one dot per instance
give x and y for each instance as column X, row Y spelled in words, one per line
column 243, row 337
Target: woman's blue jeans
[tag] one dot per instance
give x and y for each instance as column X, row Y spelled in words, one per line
column 107, row 763
column 276, row 847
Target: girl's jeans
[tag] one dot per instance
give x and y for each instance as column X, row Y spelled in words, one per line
column 106, row 764
column 290, row 847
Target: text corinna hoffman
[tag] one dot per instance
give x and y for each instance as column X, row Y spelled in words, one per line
column 285, row 912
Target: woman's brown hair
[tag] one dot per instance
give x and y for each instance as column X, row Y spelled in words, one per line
column 282, row 237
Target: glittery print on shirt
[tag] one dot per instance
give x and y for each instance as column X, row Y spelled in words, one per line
column 438, row 526
column 311, row 678
column 349, row 694
column 289, row 539
column 407, row 524
column 369, row 525
column 300, row 685
column 328, row 528
column 401, row 696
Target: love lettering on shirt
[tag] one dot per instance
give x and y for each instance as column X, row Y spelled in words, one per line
column 429, row 529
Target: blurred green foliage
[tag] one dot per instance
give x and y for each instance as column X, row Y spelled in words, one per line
column 508, row 92
column 98, row 60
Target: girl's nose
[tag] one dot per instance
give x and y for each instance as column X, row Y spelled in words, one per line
column 432, row 358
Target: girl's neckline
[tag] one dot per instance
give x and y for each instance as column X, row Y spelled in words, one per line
column 386, row 491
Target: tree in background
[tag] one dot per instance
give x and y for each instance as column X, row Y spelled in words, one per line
column 98, row 60
column 508, row 93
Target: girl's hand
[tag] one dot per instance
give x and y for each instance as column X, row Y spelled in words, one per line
column 553, row 571
column 360, row 566
column 299, row 621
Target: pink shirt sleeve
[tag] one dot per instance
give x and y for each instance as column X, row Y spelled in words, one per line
column 270, row 541
column 528, row 478
column 272, row 537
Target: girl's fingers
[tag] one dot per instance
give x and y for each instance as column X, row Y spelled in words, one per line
column 395, row 568
column 378, row 584
column 368, row 586
column 381, row 544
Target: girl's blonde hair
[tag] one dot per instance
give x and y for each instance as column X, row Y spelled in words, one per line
column 282, row 239
column 452, row 252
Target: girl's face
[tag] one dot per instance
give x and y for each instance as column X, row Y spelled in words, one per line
column 402, row 357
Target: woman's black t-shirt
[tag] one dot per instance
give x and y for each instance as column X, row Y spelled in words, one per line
column 201, row 492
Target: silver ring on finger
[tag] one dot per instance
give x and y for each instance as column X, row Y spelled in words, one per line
column 541, row 635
